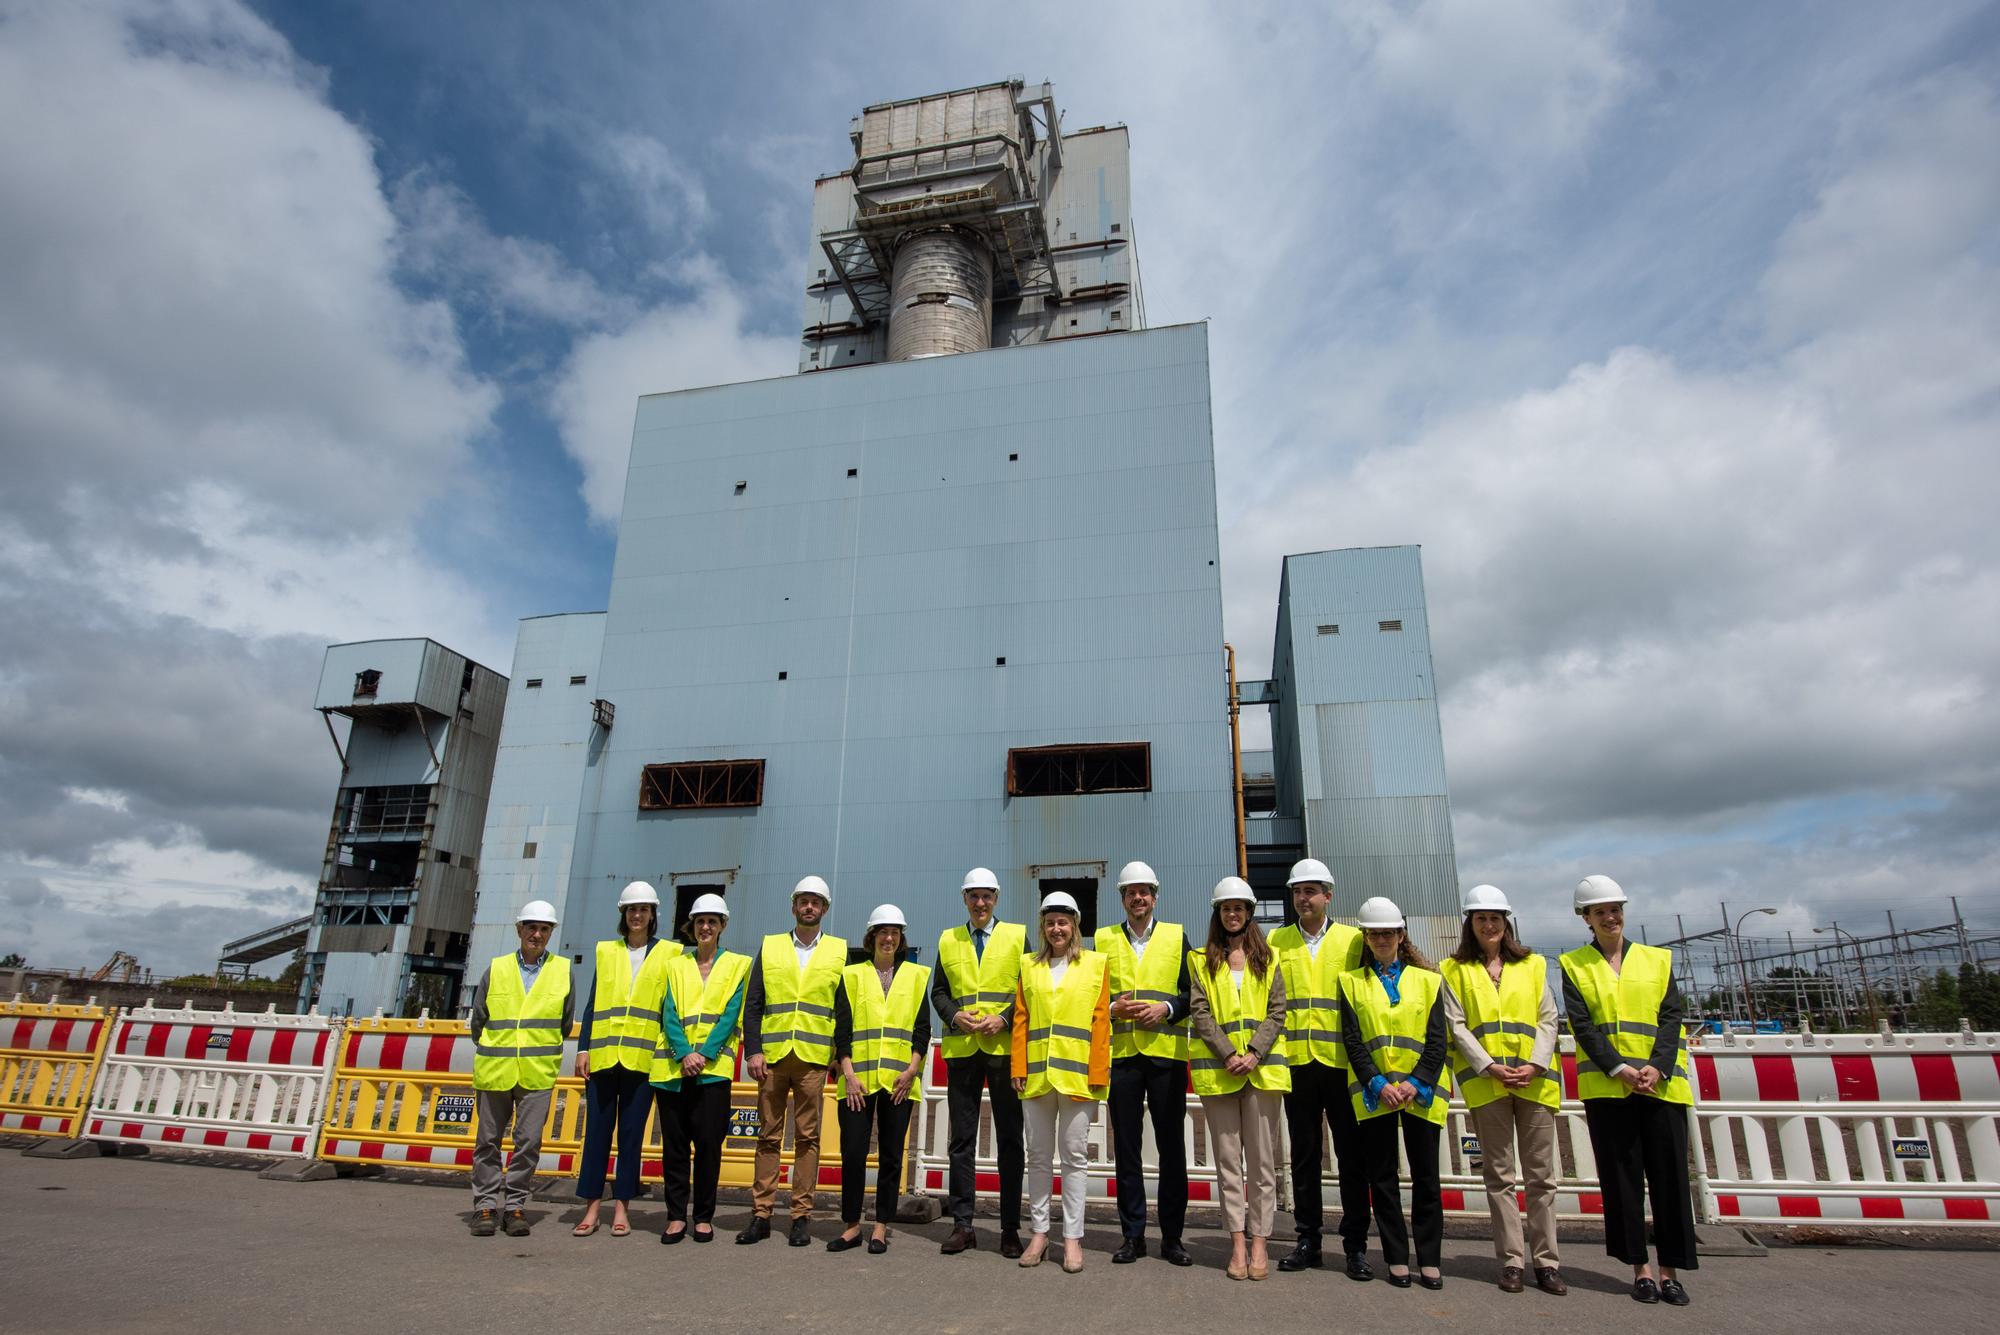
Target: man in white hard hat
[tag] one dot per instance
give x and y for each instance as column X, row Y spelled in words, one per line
column 1149, row 1062
column 788, row 1045
column 520, row 1015
column 972, row 991
column 1313, row 953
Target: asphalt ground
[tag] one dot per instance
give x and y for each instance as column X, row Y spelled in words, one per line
column 200, row 1243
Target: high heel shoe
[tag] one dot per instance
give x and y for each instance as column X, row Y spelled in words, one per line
column 1032, row 1254
column 1236, row 1269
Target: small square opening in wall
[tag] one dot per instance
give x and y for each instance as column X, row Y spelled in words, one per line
column 1330, row 628
column 782, row 676
column 1072, row 323
column 1013, row 458
column 742, row 487
column 1388, row 625
column 1116, row 228
column 854, row 472
column 1000, row 661
column 1118, row 315
column 528, row 849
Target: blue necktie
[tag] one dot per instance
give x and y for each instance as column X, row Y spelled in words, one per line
column 979, row 944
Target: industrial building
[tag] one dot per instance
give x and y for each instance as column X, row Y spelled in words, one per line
column 950, row 597
column 391, row 920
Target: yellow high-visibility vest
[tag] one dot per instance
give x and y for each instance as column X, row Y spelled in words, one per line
column 1312, row 991
column 798, row 1008
column 1156, row 977
column 625, row 1011
column 982, row 984
column 1625, row 1006
column 1059, row 1020
column 1505, row 1020
column 522, row 1043
column 699, row 1005
column 885, row 1024
column 1394, row 1034
column 1237, row 1014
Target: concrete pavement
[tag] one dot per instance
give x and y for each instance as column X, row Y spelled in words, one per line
column 160, row 1244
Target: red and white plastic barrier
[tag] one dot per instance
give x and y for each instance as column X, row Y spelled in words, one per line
column 214, row 1080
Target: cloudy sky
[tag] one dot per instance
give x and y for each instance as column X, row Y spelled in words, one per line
column 1671, row 332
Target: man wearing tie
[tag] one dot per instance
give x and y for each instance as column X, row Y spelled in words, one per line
column 973, row 994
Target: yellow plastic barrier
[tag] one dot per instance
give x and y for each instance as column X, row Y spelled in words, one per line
column 50, row 1059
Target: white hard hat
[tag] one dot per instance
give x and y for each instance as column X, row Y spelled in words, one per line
column 1379, row 913
column 979, row 878
column 639, row 892
column 1061, row 901
column 1233, row 889
column 886, row 915
column 1486, row 899
column 1137, row 873
column 813, row 885
column 1309, row 869
column 537, row 910
column 709, row 903
column 1598, row 890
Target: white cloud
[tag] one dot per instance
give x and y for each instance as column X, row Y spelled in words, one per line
column 702, row 342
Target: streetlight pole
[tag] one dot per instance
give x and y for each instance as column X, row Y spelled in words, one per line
column 1736, row 934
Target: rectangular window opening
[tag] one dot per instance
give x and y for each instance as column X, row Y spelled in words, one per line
column 1096, row 767
column 742, row 487
column 1388, row 625
column 366, row 683
column 1330, row 628
column 1116, row 228
column 854, row 472
column 696, row 784
column 578, row 681
column 534, row 683
column 528, row 849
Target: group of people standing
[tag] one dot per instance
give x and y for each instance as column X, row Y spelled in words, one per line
column 1322, row 1024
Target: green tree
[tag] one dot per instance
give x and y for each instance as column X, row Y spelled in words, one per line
column 1937, row 1008
column 14, row 960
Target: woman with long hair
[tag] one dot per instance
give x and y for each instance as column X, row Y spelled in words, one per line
column 1502, row 1015
column 701, row 1030
column 1392, row 1022
column 614, row 1054
column 1061, row 1069
column 1631, row 1073
column 1236, row 1006
column 881, row 1030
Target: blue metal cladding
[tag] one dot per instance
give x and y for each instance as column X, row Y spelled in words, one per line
column 882, row 536
column 1357, row 744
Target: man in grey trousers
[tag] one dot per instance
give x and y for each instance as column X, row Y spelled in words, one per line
column 520, row 1016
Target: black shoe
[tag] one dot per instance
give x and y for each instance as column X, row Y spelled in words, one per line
column 485, row 1223
column 703, row 1234
column 1432, row 1282
column 1010, row 1246
column 515, row 1224
column 876, row 1246
column 1174, row 1253
column 839, row 1244
column 758, row 1229
column 1304, row 1256
column 1672, row 1294
column 1645, row 1291
column 1358, row 1268
column 1129, row 1251
column 1397, row 1281
column 801, row 1236
column 669, row 1238
column 961, row 1239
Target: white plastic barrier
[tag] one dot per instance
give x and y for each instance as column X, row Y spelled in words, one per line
column 214, row 1080
column 1860, row 1128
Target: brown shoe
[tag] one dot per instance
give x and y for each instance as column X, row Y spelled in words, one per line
column 1549, row 1280
column 962, row 1239
column 515, row 1224
column 1510, row 1279
column 485, row 1223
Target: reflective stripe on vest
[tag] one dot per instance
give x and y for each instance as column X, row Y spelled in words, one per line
column 1059, row 1020
column 625, row 1011
column 521, row 1044
column 700, row 1005
column 1394, row 1035
column 1154, row 977
column 1625, row 1007
column 1312, row 991
column 982, row 984
column 798, row 1009
column 1504, row 1020
column 884, row 1023
column 1237, row 1014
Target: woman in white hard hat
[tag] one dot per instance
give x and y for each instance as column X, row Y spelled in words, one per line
column 881, row 1031
column 614, row 1054
column 1631, row 1073
column 1502, row 1014
column 1236, row 1006
column 1392, row 1023
column 701, row 1026
column 1062, row 1069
